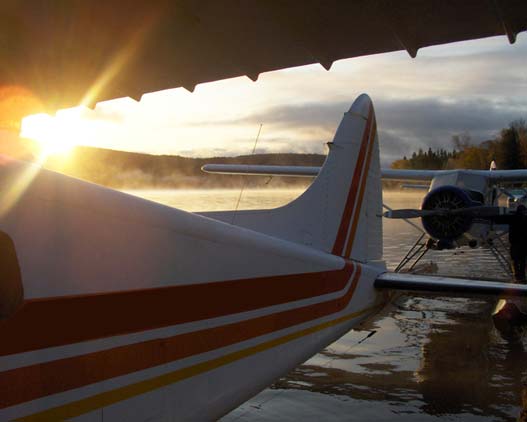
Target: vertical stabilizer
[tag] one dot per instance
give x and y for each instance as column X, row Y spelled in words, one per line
column 340, row 212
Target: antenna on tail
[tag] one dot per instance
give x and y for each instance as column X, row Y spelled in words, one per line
column 245, row 177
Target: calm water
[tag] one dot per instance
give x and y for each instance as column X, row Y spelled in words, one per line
column 429, row 358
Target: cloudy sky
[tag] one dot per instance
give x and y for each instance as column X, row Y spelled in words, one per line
column 476, row 87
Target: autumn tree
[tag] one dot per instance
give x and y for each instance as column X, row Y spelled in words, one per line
column 509, row 150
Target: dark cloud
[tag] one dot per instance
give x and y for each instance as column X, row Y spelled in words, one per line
column 394, row 147
column 404, row 125
column 311, row 115
column 430, row 118
column 314, row 115
column 495, row 72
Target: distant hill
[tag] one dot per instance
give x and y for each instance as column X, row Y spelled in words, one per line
column 121, row 169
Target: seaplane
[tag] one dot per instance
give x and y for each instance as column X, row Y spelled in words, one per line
column 116, row 308
column 113, row 306
column 457, row 211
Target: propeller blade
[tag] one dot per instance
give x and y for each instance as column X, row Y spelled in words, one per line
column 483, row 211
column 412, row 213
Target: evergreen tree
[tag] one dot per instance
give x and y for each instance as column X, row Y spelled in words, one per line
column 509, row 148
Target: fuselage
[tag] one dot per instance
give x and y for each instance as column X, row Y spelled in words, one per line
column 136, row 311
column 170, row 311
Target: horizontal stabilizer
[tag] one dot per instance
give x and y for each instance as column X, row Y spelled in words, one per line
column 260, row 170
column 448, row 286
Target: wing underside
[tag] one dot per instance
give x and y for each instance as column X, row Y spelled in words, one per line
column 162, row 44
column 447, row 285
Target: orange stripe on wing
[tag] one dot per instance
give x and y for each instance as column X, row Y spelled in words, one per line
column 77, row 408
column 356, row 216
column 352, row 193
column 59, row 321
column 32, row 382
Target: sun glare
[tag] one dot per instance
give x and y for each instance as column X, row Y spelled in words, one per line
column 54, row 135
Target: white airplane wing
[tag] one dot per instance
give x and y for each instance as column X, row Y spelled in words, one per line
column 423, row 175
column 305, row 171
column 519, row 175
column 160, row 44
column 447, row 285
column 507, row 175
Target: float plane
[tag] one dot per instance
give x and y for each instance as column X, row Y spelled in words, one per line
column 113, row 307
column 457, row 210
column 116, row 308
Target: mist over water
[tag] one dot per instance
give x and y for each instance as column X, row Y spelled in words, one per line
column 196, row 200
column 430, row 357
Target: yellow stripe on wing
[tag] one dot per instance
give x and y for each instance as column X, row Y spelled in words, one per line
column 108, row 398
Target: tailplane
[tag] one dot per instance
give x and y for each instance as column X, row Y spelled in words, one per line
column 340, row 212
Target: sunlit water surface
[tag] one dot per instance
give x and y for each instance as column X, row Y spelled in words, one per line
column 429, row 358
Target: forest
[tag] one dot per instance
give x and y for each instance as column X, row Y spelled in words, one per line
column 120, row 169
column 508, row 150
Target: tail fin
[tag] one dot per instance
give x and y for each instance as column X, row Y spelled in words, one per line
column 340, row 212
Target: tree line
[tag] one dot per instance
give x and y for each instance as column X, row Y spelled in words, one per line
column 121, row 169
column 508, row 150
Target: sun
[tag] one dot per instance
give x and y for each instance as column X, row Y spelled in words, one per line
column 55, row 136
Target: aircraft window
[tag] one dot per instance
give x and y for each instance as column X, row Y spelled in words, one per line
column 474, row 182
column 11, row 290
column 476, row 196
column 444, row 179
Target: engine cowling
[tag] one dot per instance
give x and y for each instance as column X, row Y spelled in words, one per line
column 449, row 227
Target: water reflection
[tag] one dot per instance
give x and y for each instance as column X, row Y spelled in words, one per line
column 429, row 357
column 436, row 357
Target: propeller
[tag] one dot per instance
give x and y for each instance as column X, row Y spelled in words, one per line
column 411, row 213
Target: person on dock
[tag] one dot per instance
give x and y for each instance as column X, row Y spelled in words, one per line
column 518, row 243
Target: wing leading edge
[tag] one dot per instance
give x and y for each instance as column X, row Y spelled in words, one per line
column 519, row 175
column 306, row 171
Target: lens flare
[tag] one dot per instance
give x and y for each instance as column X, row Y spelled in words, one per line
column 55, row 136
